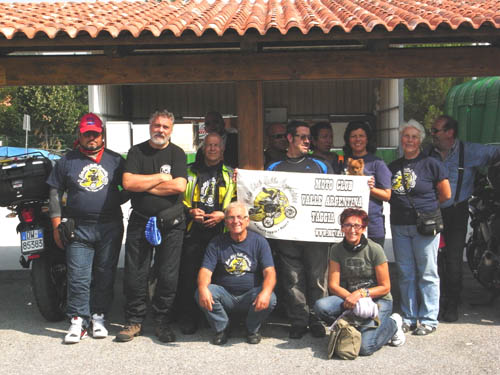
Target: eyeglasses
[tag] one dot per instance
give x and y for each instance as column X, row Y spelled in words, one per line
column 303, row 137
column 234, row 218
column 435, row 130
column 278, row 136
column 356, row 227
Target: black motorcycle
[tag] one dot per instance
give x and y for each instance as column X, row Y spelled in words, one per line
column 24, row 192
column 483, row 247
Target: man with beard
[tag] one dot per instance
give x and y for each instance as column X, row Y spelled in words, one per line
column 155, row 174
column 90, row 176
column 209, row 191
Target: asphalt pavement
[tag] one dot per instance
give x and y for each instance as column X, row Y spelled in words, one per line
column 30, row 345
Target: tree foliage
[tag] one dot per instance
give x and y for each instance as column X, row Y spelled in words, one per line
column 54, row 111
column 425, row 98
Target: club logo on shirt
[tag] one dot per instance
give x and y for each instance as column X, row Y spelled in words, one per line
column 165, row 168
column 93, row 177
column 397, row 181
column 238, row 264
column 207, row 192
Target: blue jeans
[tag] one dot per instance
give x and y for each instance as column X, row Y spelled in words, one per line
column 372, row 339
column 416, row 259
column 92, row 260
column 225, row 302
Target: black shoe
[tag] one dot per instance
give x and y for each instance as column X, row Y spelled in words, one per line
column 451, row 313
column 424, row 330
column 164, row 333
column 188, row 326
column 409, row 327
column 296, row 332
column 254, row 338
column 317, row 329
column 220, row 338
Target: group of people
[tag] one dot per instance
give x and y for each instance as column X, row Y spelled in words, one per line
column 207, row 262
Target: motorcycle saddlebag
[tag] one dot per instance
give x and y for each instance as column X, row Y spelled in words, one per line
column 24, row 179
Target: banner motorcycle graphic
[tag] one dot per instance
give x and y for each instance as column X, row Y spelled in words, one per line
column 300, row 206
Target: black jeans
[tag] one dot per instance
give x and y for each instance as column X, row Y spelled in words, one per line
column 138, row 256
column 455, row 220
column 193, row 252
column 302, row 271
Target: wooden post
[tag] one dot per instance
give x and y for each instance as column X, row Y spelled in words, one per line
column 250, row 124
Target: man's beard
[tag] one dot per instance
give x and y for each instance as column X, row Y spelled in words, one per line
column 92, row 148
column 159, row 139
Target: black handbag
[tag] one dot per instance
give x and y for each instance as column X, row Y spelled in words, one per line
column 429, row 223
column 170, row 217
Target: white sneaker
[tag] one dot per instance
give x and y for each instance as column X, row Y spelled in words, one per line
column 99, row 331
column 76, row 331
column 399, row 337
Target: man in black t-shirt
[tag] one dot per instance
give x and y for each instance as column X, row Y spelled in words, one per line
column 155, row 174
column 302, row 265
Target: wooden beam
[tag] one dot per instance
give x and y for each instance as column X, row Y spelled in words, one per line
column 303, row 65
column 250, row 124
column 85, row 41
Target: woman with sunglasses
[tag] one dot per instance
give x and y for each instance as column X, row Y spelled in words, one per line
column 322, row 142
column 357, row 269
column 360, row 144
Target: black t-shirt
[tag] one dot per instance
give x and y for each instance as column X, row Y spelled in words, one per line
column 92, row 188
column 303, row 164
column 144, row 159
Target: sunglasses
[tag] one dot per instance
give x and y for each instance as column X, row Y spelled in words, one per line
column 278, row 136
column 303, row 137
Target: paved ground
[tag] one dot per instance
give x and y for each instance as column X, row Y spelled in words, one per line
column 28, row 345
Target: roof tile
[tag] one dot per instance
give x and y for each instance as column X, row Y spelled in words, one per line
column 219, row 16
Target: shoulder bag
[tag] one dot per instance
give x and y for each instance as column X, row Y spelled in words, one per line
column 428, row 223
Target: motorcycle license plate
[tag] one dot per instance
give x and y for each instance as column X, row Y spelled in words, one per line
column 32, row 241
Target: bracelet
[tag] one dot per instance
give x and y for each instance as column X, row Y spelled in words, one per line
column 367, row 292
column 362, row 292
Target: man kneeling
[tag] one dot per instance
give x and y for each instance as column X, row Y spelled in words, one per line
column 237, row 258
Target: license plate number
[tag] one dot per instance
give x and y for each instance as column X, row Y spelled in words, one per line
column 32, row 241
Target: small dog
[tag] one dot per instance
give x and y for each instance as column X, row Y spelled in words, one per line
column 355, row 167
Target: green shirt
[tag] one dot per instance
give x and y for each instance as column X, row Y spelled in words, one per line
column 357, row 269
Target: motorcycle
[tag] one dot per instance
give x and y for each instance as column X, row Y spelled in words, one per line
column 483, row 247
column 24, row 192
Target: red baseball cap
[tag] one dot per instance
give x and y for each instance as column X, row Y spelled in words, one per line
column 90, row 123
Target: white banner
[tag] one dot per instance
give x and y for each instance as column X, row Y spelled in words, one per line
column 300, row 206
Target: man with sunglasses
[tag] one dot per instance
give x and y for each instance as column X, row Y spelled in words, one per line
column 276, row 143
column 301, row 265
column 449, row 149
column 90, row 176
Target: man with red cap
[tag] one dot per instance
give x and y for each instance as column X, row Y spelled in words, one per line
column 90, row 228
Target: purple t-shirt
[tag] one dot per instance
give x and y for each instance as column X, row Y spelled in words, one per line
column 421, row 175
column 374, row 166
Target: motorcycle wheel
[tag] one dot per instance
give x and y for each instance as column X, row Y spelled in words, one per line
column 48, row 279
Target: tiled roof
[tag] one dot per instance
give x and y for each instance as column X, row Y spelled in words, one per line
column 221, row 16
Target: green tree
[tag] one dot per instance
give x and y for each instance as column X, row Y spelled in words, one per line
column 10, row 120
column 54, row 111
column 424, row 98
